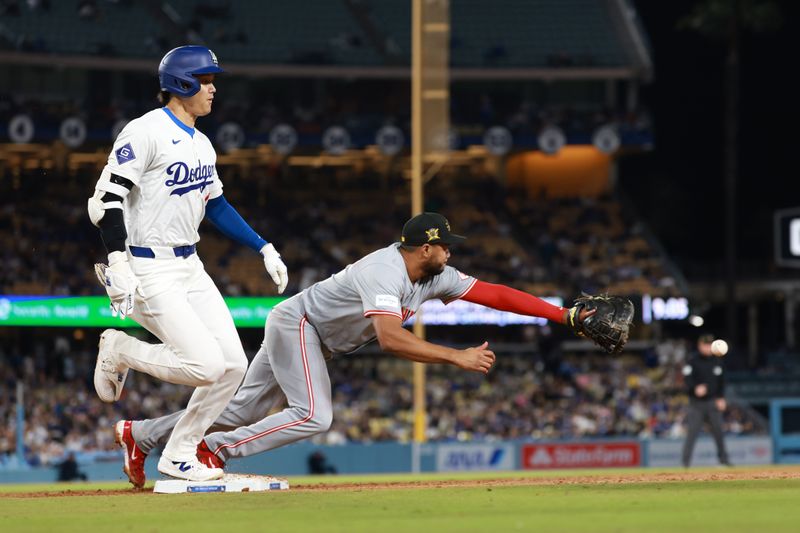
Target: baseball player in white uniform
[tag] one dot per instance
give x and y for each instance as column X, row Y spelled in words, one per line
column 159, row 183
column 368, row 300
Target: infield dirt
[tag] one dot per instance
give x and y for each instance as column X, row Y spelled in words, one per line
column 606, row 478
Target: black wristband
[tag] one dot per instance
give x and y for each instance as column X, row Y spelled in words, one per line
column 112, row 225
column 112, row 230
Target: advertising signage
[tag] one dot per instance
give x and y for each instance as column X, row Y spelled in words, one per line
column 247, row 312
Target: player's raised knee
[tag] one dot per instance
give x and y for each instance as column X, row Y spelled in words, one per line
column 238, row 368
column 235, row 360
column 241, row 363
column 211, row 369
column 213, row 372
column 322, row 420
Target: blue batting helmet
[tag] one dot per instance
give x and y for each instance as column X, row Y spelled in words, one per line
column 178, row 69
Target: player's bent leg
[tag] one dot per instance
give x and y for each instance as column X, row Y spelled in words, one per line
column 298, row 364
column 153, row 433
column 193, row 361
column 290, row 425
column 210, row 320
column 189, row 354
column 199, row 414
column 194, row 358
column 257, row 396
column 118, row 352
column 214, row 314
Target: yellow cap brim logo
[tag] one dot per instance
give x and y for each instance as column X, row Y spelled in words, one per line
column 432, row 234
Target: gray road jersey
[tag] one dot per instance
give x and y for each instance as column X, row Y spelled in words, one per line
column 340, row 307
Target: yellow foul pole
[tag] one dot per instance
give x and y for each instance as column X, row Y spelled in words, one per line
column 416, row 196
column 430, row 125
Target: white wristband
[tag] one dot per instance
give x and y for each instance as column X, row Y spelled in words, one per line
column 116, row 257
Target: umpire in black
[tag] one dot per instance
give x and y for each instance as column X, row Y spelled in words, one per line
column 704, row 376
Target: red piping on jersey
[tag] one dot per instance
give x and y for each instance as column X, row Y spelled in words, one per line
column 460, row 296
column 376, row 312
column 505, row 298
column 308, row 417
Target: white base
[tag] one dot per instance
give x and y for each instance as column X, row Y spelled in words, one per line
column 228, row 483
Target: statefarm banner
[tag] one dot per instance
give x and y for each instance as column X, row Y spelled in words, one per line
column 581, row 455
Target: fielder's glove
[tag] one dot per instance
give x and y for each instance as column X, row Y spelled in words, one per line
column 119, row 281
column 610, row 323
column 275, row 267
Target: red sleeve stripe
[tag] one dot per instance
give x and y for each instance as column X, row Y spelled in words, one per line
column 377, row 312
column 474, row 281
column 505, row 298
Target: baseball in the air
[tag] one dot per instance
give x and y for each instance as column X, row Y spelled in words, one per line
column 719, row 347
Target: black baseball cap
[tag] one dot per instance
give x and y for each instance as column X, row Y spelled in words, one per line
column 429, row 228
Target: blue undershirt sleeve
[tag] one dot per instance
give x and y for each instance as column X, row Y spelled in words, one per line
column 231, row 224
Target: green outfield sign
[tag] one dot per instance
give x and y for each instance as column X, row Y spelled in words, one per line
column 94, row 311
column 247, row 312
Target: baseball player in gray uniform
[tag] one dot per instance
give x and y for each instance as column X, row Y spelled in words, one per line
column 368, row 300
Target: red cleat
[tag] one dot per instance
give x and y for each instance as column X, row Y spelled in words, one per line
column 205, row 456
column 134, row 456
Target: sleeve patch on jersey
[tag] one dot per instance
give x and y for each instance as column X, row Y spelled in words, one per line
column 125, row 154
column 387, row 300
column 461, row 275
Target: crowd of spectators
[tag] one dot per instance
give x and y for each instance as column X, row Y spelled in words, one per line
column 62, row 412
column 526, row 396
column 595, row 245
column 323, row 219
column 534, row 395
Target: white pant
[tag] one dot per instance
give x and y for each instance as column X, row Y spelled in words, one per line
column 180, row 305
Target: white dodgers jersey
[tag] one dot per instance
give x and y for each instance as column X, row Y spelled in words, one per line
column 174, row 169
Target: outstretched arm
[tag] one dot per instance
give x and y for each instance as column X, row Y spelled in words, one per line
column 505, row 298
column 398, row 341
column 606, row 320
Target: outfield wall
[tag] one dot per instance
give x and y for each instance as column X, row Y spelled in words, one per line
column 445, row 457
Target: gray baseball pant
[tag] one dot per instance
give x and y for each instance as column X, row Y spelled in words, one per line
column 290, row 363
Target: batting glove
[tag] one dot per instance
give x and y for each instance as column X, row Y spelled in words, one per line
column 275, row 267
column 120, row 283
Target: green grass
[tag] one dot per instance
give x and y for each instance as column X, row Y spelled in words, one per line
column 686, row 507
